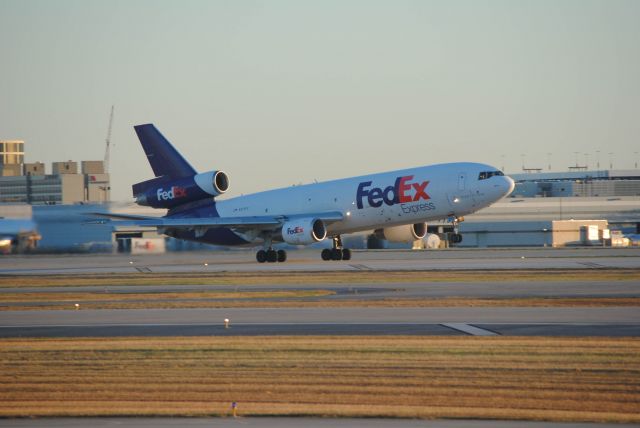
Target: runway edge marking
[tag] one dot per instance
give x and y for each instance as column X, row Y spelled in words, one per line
column 470, row 329
column 592, row 265
column 360, row 267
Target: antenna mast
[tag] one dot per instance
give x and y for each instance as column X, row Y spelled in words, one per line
column 108, row 143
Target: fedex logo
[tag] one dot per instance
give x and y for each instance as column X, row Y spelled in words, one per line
column 174, row 192
column 401, row 192
column 294, row 230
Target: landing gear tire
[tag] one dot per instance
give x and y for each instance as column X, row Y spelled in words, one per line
column 455, row 237
column 272, row 256
column 336, row 254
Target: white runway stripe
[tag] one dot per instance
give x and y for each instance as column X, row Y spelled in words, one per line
column 470, row 329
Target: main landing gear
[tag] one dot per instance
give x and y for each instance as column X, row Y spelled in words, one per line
column 338, row 252
column 271, row 256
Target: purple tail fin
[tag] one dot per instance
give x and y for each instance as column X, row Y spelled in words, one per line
column 163, row 157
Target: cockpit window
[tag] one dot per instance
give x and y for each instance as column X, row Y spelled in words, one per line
column 488, row 174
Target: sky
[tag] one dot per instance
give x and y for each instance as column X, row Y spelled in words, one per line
column 281, row 92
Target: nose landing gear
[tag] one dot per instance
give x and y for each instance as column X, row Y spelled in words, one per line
column 456, row 236
column 338, row 252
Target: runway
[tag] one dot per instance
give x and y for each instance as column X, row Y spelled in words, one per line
column 354, row 315
column 309, row 260
column 552, row 321
column 608, row 321
column 550, row 330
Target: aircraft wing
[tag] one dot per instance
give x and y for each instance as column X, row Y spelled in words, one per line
column 247, row 222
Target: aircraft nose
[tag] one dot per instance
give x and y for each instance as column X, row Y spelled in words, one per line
column 509, row 185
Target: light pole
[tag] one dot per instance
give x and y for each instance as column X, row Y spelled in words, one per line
column 105, row 189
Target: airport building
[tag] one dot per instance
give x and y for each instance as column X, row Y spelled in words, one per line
column 581, row 183
column 29, row 183
column 557, row 209
column 553, row 222
column 28, row 220
column 11, row 157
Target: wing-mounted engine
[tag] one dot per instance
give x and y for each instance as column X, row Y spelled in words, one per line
column 405, row 233
column 303, row 231
column 165, row 192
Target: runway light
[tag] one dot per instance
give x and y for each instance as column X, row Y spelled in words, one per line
column 226, row 323
column 130, row 263
column 522, row 257
column 206, row 264
column 77, row 305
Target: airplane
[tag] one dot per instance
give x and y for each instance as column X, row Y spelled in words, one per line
column 397, row 205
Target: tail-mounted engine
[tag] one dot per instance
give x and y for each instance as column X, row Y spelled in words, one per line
column 164, row 192
column 406, row 233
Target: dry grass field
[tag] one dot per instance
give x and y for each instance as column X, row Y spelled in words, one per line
column 560, row 379
column 283, row 299
column 310, row 278
column 214, row 296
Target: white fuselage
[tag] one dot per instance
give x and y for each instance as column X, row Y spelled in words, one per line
column 381, row 200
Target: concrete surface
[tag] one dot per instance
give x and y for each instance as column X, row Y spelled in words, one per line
column 309, row 260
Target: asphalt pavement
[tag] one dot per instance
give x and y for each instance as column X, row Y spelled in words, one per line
column 308, row 260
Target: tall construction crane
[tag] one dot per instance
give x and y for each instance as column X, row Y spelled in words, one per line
column 108, row 142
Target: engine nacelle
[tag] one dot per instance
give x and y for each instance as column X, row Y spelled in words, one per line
column 304, row 231
column 405, row 233
column 163, row 192
column 213, row 183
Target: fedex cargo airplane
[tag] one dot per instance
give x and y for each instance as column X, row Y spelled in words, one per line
column 396, row 204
